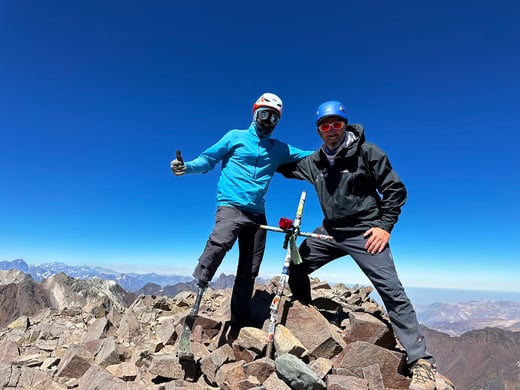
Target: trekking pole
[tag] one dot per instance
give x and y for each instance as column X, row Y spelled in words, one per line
column 291, row 232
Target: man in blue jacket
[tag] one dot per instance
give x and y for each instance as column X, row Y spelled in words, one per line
column 249, row 160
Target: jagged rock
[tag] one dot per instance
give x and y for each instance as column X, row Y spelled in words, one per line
column 10, row 351
column 64, row 291
column 367, row 327
column 252, row 339
column 286, row 342
column 14, row 276
column 360, row 354
column 126, row 371
column 166, row 331
column 21, row 322
column 88, row 342
column 273, row 382
column 231, row 376
column 97, row 378
column 21, row 298
column 344, row 382
column 313, row 331
column 373, row 375
column 110, row 353
column 97, row 329
column 205, row 329
column 129, row 327
column 75, row 362
column 261, row 369
column 26, row 379
column 297, row 374
column 321, row 367
column 166, row 366
column 211, row 363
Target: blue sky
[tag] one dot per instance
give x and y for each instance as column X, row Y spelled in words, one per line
column 95, row 97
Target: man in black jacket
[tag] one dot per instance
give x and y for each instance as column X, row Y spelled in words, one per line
column 361, row 197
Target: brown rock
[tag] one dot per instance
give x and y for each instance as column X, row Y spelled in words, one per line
column 231, row 375
column 313, row 331
column 360, row 354
column 366, row 327
column 211, row 363
column 9, row 351
column 286, row 342
column 97, row 378
column 373, row 375
column 261, row 369
column 275, row 383
column 321, row 367
column 166, row 366
column 344, row 382
column 75, row 362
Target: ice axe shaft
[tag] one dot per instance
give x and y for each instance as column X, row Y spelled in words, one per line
column 290, row 231
column 290, row 234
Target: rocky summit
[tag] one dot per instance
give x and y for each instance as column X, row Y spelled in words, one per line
column 90, row 335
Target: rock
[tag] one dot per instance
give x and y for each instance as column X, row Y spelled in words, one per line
column 297, row 374
column 286, row 342
column 90, row 337
column 313, row 331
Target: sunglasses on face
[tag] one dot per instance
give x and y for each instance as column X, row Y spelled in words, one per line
column 270, row 116
column 331, row 126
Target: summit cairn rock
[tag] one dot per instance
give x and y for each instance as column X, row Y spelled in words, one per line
column 96, row 336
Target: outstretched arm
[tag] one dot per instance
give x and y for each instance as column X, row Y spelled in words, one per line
column 206, row 161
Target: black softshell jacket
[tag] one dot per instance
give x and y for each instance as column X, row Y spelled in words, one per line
column 360, row 191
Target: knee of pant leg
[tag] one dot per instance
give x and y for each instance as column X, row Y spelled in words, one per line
column 226, row 246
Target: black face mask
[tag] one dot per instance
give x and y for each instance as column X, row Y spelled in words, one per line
column 264, row 128
column 266, row 121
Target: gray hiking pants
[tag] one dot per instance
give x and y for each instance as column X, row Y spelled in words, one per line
column 231, row 224
column 381, row 271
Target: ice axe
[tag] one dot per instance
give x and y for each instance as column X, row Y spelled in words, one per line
column 292, row 231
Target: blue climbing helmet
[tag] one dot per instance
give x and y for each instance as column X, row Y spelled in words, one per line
column 331, row 108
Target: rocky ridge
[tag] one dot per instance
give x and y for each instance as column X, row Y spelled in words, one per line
column 92, row 338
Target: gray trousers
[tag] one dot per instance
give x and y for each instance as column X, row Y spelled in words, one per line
column 231, row 224
column 380, row 270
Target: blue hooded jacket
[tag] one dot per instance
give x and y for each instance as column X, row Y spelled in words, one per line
column 248, row 165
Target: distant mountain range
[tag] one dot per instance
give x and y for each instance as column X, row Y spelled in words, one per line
column 129, row 281
column 451, row 318
column 457, row 318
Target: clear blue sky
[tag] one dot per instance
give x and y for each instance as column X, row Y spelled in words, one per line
column 96, row 96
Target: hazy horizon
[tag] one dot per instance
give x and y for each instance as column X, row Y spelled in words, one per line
column 418, row 295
